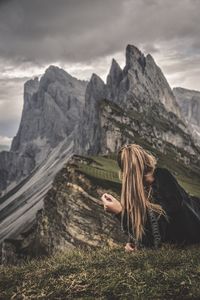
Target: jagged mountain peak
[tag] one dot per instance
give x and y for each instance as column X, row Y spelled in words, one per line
column 96, row 79
column 53, row 68
column 52, row 107
column 95, row 87
column 150, row 59
column 32, row 83
column 134, row 56
column 114, row 67
column 56, row 74
column 30, row 87
column 132, row 50
column 115, row 73
column 94, row 90
column 53, row 72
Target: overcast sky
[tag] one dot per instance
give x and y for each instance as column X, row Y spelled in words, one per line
column 82, row 36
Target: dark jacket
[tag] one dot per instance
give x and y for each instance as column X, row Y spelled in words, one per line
column 183, row 211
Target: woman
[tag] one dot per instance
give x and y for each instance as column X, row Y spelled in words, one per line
column 154, row 208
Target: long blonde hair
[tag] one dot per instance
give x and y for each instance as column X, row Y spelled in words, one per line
column 135, row 163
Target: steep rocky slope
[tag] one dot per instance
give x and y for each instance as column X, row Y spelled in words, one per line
column 19, row 206
column 140, row 84
column 189, row 102
column 51, row 110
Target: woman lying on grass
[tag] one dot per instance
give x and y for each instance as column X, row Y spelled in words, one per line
column 154, row 208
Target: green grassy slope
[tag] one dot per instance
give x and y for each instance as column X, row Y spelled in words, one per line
column 106, row 274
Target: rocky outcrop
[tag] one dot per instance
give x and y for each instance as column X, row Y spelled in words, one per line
column 51, row 110
column 72, row 216
column 189, row 102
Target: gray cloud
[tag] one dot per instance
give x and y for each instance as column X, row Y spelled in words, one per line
column 82, row 30
column 11, row 103
column 83, row 35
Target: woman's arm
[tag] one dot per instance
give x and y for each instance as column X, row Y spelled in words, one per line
column 124, row 224
column 114, row 206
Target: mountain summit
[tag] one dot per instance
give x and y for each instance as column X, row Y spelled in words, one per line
column 51, row 110
column 142, row 94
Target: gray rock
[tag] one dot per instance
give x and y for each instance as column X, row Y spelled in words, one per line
column 144, row 83
column 52, row 108
column 87, row 139
column 141, row 92
column 19, row 206
column 189, row 102
column 113, row 80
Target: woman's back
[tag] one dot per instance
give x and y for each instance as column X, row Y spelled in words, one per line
column 183, row 211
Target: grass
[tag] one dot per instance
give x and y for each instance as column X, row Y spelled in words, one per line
column 106, row 273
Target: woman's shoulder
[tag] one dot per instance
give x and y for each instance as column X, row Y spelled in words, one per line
column 168, row 181
column 163, row 174
column 161, row 170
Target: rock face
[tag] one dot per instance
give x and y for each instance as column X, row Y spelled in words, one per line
column 19, row 206
column 189, row 102
column 135, row 101
column 88, row 135
column 144, row 81
column 51, row 110
column 72, row 216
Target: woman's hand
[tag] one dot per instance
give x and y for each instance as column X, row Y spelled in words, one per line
column 111, row 204
column 130, row 247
